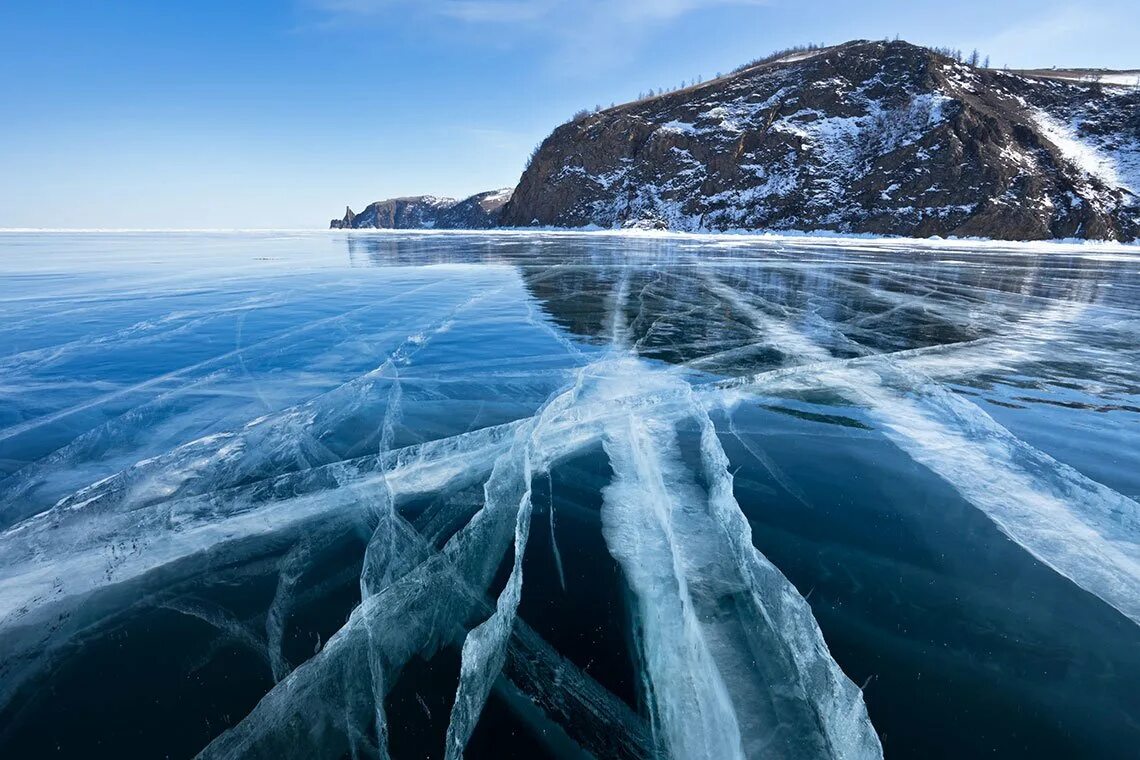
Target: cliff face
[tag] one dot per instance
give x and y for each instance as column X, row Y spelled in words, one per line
column 878, row 137
column 480, row 211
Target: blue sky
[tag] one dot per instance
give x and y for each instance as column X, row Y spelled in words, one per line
column 133, row 113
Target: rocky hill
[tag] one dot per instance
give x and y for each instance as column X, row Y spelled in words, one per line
column 480, row 211
column 876, row 137
column 879, row 137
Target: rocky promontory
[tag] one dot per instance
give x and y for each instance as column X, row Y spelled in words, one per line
column 480, row 211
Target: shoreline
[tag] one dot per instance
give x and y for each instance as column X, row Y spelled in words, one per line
column 743, row 237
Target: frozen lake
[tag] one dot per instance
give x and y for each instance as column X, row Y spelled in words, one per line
column 567, row 495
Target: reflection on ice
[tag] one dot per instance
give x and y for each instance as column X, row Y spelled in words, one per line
column 238, row 454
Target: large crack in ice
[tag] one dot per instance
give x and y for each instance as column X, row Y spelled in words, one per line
column 323, row 707
column 735, row 664
column 1082, row 529
column 691, row 706
column 510, row 484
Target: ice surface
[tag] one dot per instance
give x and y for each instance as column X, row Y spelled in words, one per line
column 237, row 457
column 1084, row 530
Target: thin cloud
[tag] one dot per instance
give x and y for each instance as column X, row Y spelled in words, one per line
column 1038, row 41
column 578, row 35
column 493, row 11
column 521, row 11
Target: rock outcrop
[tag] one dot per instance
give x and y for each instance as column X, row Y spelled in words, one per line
column 874, row 137
column 480, row 211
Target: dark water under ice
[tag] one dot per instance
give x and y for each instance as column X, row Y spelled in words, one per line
column 214, row 447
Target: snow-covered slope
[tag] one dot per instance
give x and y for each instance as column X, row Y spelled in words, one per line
column 879, row 137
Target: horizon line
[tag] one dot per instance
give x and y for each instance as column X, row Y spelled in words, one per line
column 824, row 237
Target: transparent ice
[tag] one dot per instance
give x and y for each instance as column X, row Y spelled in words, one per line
column 236, row 434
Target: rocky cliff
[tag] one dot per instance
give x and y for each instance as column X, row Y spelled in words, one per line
column 877, row 137
column 480, row 211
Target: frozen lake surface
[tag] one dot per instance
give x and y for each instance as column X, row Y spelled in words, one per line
column 523, row 495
